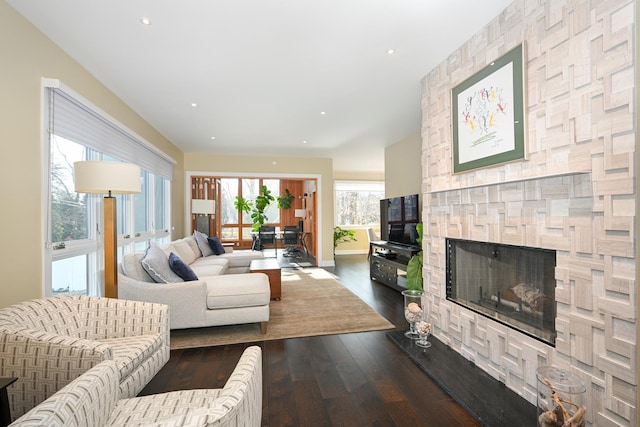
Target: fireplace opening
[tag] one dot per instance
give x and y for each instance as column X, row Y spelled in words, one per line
column 514, row 285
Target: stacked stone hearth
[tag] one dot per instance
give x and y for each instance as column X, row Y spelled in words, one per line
column 574, row 193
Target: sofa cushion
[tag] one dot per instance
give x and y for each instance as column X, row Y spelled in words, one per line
column 156, row 263
column 196, row 407
column 181, row 268
column 191, row 241
column 216, row 245
column 132, row 267
column 203, row 244
column 237, row 290
column 209, row 269
column 241, row 258
column 211, row 260
column 184, row 251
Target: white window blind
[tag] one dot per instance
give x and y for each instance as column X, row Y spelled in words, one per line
column 74, row 120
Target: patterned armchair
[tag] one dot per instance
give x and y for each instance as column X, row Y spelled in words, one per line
column 49, row 342
column 93, row 400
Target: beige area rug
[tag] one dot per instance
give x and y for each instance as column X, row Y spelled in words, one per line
column 313, row 303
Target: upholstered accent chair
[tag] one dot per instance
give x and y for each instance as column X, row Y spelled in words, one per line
column 93, row 400
column 49, row 342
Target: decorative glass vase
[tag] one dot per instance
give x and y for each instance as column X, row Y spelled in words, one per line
column 413, row 311
column 423, row 329
column 560, row 398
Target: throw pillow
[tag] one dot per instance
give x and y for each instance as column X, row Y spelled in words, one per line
column 181, row 268
column 216, row 246
column 203, row 244
column 156, row 263
column 184, row 251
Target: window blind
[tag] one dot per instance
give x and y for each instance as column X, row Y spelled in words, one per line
column 75, row 121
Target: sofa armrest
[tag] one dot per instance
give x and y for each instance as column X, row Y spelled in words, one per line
column 86, row 401
column 187, row 300
column 242, row 393
column 45, row 363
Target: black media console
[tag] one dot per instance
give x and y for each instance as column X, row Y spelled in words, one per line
column 388, row 263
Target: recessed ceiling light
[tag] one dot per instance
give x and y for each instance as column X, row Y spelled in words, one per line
column 323, row 113
column 390, row 52
column 193, row 104
column 145, row 21
column 213, row 137
column 304, row 142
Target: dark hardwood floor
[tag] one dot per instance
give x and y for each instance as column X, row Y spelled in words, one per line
column 360, row 379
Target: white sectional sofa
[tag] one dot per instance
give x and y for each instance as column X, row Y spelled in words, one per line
column 49, row 342
column 223, row 294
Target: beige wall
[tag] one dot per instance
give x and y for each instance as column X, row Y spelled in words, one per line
column 403, row 167
column 637, row 206
column 27, row 56
column 292, row 167
column 358, row 176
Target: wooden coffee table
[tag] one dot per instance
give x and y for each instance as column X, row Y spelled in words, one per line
column 271, row 268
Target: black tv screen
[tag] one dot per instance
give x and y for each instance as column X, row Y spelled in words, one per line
column 399, row 217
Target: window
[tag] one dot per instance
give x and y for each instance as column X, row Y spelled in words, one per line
column 68, row 208
column 73, row 253
column 358, row 202
column 233, row 226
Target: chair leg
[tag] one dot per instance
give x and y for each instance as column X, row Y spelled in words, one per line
column 263, row 327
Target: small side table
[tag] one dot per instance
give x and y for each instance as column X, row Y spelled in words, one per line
column 5, row 412
column 271, row 268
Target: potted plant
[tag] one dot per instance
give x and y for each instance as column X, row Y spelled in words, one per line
column 341, row 235
column 257, row 207
column 284, row 202
column 414, row 266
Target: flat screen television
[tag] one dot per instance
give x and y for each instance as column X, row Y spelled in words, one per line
column 398, row 219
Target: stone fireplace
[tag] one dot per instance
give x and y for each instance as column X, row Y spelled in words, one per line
column 574, row 194
column 514, row 285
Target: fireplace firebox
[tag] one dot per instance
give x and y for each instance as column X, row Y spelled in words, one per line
column 514, row 285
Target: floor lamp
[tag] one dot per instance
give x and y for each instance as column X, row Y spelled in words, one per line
column 203, row 208
column 300, row 213
column 98, row 177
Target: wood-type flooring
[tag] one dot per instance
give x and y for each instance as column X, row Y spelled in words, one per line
column 358, row 379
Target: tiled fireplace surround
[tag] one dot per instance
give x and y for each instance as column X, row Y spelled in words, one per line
column 574, row 193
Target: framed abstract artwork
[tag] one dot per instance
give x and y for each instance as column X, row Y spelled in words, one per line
column 488, row 115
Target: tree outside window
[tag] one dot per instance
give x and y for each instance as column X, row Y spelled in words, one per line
column 358, row 203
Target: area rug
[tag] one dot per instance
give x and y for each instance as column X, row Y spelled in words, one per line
column 313, row 303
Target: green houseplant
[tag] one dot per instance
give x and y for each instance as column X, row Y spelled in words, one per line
column 284, row 202
column 414, row 267
column 257, row 207
column 341, row 235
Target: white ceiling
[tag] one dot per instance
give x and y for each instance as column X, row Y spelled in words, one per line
column 262, row 71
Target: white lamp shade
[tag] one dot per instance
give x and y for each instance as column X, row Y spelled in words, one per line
column 300, row 213
column 98, row 177
column 200, row 206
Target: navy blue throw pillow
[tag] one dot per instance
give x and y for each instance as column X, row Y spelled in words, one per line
column 181, row 268
column 216, row 246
